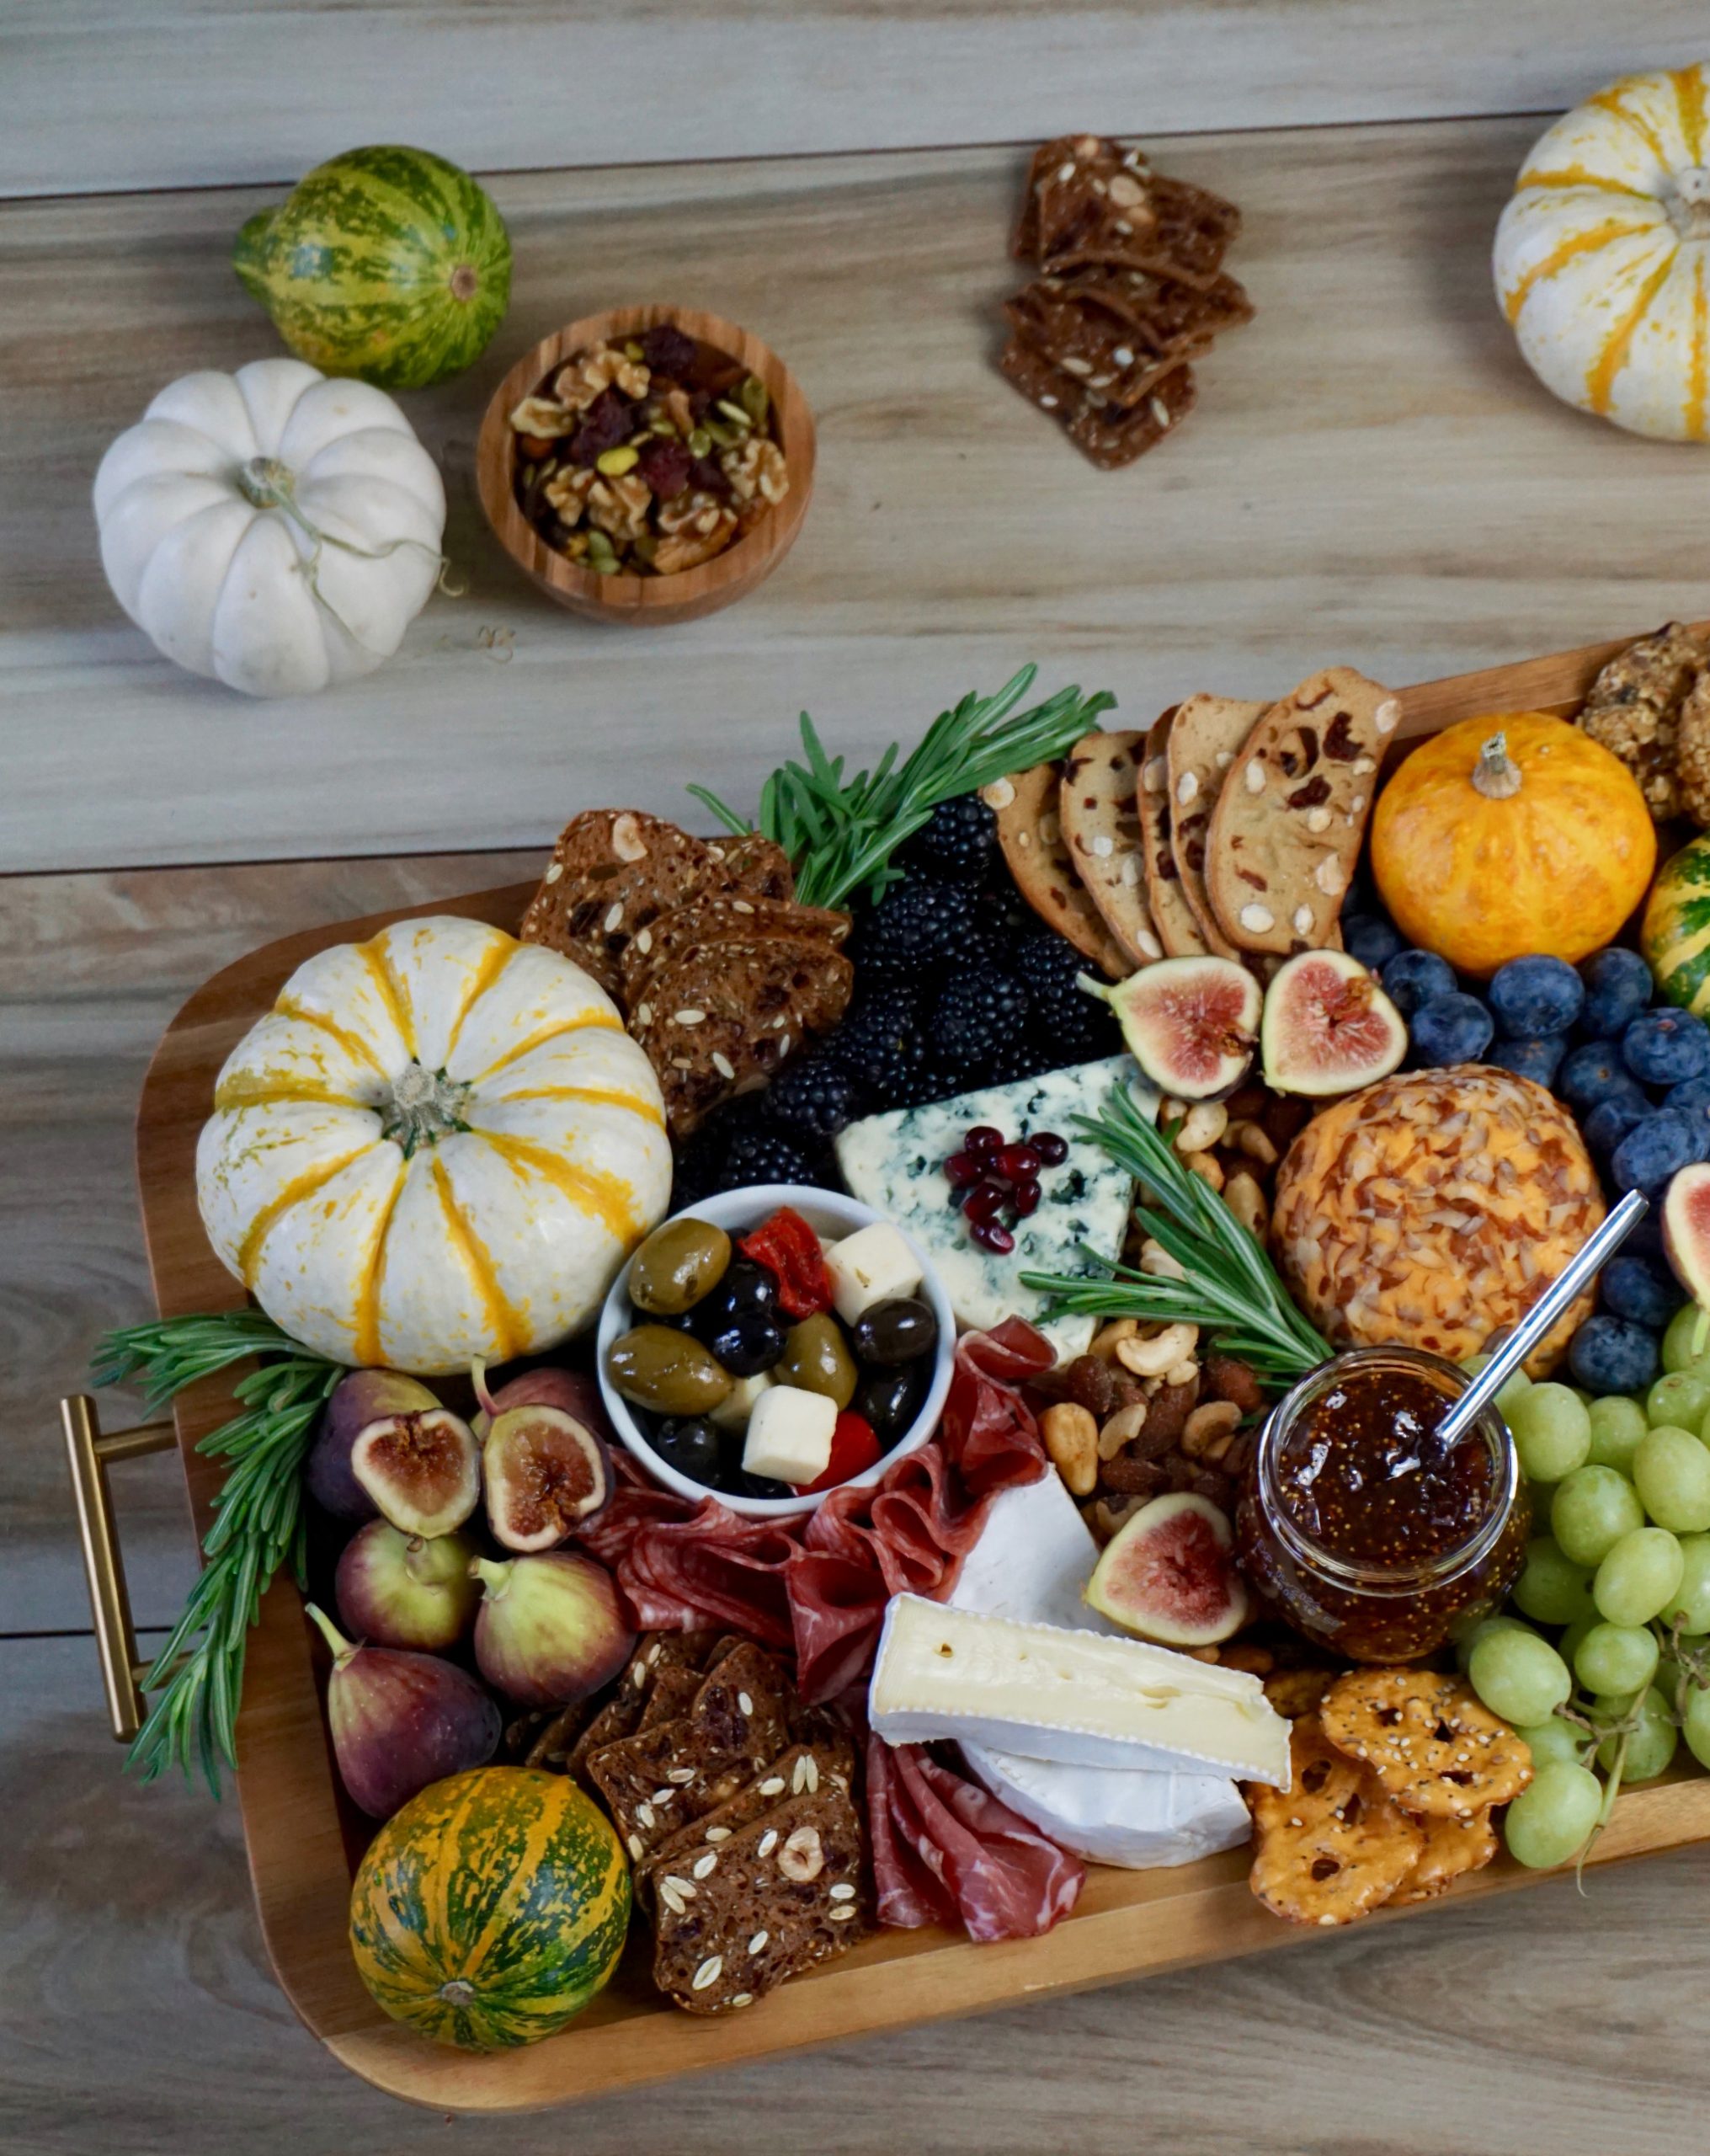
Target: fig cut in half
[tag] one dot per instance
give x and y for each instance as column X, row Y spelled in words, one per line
column 362, row 1398
column 1169, row 1575
column 544, row 1457
column 1686, row 1231
column 1190, row 1023
column 421, row 1467
column 1328, row 1028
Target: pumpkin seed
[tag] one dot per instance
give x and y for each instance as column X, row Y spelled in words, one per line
column 735, row 414
column 661, row 422
column 631, row 350
column 725, row 437
column 613, row 463
column 601, row 560
column 700, row 442
column 754, row 399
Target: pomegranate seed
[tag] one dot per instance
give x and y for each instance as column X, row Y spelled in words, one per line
column 1051, row 1149
column 991, row 1237
column 985, row 1201
column 1020, row 1163
column 1027, row 1198
column 983, row 1140
column 962, row 1168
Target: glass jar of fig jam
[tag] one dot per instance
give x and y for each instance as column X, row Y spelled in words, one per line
column 1368, row 1538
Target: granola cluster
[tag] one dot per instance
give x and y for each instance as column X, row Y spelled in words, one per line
column 1650, row 706
column 647, row 458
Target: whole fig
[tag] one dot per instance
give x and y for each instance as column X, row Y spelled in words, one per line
column 422, row 1468
column 398, row 1590
column 356, row 1401
column 550, row 1629
column 402, row 1721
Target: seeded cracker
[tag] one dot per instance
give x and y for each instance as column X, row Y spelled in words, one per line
column 1101, row 826
column 720, row 917
column 1453, row 1847
column 1431, row 1743
column 1106, row 434
column 1333, row 1846
column 797, row 1772
column 1177, row 928
column 1030, row 832
column 1205, row 737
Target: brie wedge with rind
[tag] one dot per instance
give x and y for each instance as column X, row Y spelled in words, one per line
column 1046, row 1693
column 1141, row 1822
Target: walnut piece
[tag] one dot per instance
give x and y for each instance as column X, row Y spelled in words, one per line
column 581, row 380
column 543, row 418
column 568, row 490
column 755, row 468
column 619, row 505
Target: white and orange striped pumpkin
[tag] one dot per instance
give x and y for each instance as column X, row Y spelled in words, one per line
column 438, row 1145
column 1603, row 256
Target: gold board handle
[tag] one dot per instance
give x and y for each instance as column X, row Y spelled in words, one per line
column 89, row 1452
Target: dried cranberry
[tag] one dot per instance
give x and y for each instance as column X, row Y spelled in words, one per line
column 700, row 402
column 1027, row 1198
column 665, row 465
column 985, row 1201
column 983, row 1140
column 667, row 349
column 961, row 1168
column 990, row 1236
column 1020, row 1163
column 1051, row 1149
column 707, row 476
column 608, row 421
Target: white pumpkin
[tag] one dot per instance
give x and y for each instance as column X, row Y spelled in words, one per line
column 1603, row 256
column 438, row 1145
column 271, row 527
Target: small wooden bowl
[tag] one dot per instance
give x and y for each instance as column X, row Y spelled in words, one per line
column 690, row 593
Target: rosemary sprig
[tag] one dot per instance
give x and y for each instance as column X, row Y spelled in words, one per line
column 840, row 832
column 258, row 1517
column 1230, row 1291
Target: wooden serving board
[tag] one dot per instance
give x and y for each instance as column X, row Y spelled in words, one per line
column 304, row 1841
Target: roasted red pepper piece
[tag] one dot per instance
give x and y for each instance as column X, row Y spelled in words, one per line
column 854, row 1446
column 785, row 1244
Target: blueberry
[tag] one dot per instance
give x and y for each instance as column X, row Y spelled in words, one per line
column 1535, row 1059
column 1451, row 1029
column 1592, row 1073
column 1412, row 978
column 1610, row 1121
column 1663, row 1047
column 1532, row 996
column 1617, row 988
column 1655, row 1151
column 1633, row 1287
column 1691, row 1098
column 1373, row 942
column 1611, row 1354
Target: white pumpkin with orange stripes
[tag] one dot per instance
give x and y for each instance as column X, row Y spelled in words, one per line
column 1603, row 256
column 438, row 1145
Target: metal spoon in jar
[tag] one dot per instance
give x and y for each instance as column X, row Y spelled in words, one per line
column 1567, row 1284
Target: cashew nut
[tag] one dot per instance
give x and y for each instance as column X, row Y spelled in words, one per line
column 1207, row 1167
column 1246, row 1201
column 1156, row 1260
column 1120, row 1428
column 1249, row 1138
column 1215, row 1419
column 1204, row 1124
column 1072, row 1439
column 1104, row 1341
column 1151, row 1358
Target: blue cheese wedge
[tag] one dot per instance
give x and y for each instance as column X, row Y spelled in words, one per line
column 895, row 1163
column 1045, row 1692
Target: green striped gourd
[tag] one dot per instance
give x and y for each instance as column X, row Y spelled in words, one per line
column 387, row 263
column 1675, row 937
column 492, row 1908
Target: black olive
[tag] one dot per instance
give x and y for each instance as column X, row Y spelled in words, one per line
column 746, row 1290
column 762, row 1486
column 691, row 1447
column 749, row 1345
column 891, row 1332
column 890, row 1400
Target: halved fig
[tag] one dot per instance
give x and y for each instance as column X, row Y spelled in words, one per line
column 356, row 1401
column 546, row 1387
column 1169, row 1575
column 1686, row 1231
column 546, row 1473
column 1328, row 1028
column 422, row 1468
column 1190, row 1023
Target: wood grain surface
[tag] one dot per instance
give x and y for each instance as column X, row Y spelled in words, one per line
column 262, row 92
column 1372, row 475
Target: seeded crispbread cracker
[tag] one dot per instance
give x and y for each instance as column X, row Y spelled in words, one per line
column 1081, row 188
column 1172, row 916
column 720, row 917
column 785, row 1892
column 1120, row 331
column 1289, row 820
column 1107, row 434
column 801, row 1768
column 1100, row 820
column 1030, row 832
column 1205, row 737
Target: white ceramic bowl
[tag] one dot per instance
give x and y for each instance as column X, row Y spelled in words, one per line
column 833, row 1216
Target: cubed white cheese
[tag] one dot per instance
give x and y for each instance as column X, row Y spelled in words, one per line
column 871, row 1265
column 790, row 1433
column 734, row 1411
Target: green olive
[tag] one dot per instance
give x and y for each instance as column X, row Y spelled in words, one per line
column 676, row 1266
column 658, row 1367
column 817, row 1359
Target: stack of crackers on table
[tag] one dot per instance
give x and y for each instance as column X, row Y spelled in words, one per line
column 1229, row 828
column 1395, row 1775
column 1131, row 289
column 735, row 1804
column 721, row 975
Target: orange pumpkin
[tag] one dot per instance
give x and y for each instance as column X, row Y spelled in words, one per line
column 1510, row 836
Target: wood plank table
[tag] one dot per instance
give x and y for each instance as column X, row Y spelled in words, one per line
column 1372, row 475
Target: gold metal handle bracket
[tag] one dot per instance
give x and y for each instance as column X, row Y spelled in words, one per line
column 89, row 1453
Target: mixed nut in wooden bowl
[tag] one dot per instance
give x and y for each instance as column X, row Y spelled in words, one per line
column 647, row 464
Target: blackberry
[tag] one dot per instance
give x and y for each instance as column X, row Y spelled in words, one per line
column 813, row 1097
column 879, row 1045
column 957, row 842
column 919, row 926
column 994, row 932
column 1076, row 1025
column 978, row 1022
column 766, row 1156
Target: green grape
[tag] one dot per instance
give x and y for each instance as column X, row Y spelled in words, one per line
column 1519, row 1676
column 1617, row 1658
column 1512, row 1387
column 1671, row 1473
column 1470, row 1638
column 1636, row 1578
column 1548, row 1822
column 1650, row 1747
column 1552, row 1432
column 1681, row 1397
column 1569, row 1644
column 1551, row 1589
column 1696, row 1729
column 1690, row 1600
column 1617, row 1424
column 1687, row 1339
column 1590, row 1511
column 1554, row 1739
